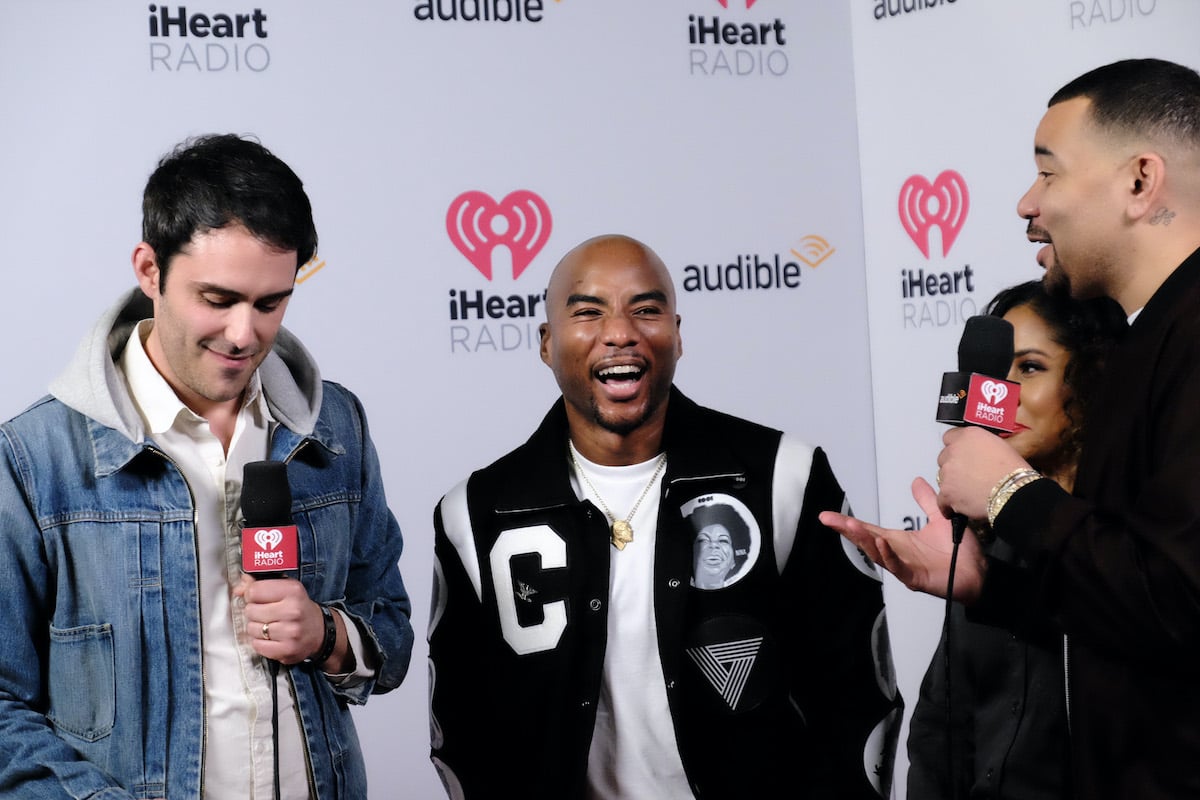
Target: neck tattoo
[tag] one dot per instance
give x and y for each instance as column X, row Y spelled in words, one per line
column 621, row 530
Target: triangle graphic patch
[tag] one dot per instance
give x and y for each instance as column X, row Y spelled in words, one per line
column 727, row 666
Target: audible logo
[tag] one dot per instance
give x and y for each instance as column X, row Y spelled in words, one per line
column 479, row 10
column 751, row 271
column 309, row 268
column 229, row 49
column 813, row 250
column 894, row 8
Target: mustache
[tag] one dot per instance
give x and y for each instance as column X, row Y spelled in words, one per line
column 1036, row 230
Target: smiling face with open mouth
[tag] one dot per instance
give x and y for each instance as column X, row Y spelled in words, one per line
column 612, row 339
column 1076, row 204
column 713, row 556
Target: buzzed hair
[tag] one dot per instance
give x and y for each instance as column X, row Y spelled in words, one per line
column 1146, row 96
column 652, row 259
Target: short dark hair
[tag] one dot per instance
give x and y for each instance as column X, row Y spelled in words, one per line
column 213, row 181
column 1086, row 329
column 1146, row 95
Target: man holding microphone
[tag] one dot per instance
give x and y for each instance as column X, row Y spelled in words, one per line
column 134, row 655
column 1117, row 566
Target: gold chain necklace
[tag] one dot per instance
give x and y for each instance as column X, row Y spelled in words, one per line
column 621, row 530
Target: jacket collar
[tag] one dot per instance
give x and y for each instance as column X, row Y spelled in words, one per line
column 536, row 475
column 92, row 385
column 1175, row 294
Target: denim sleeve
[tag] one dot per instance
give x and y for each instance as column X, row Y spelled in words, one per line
column 374, row 590
column 34, row 762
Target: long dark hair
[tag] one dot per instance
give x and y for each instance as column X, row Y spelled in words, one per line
column 1086, row 329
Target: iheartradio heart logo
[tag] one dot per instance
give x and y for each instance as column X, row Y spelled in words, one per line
column 725, row 3
column 994, row 392
column 477, row 225
column 943, row 203
column 268, row 539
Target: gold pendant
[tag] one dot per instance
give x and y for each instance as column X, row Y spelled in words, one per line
column 622, row 534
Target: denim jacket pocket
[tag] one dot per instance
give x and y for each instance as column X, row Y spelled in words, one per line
column 82, row 679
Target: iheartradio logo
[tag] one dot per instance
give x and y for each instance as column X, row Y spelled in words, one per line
column 477, row 225
column 943, row 203
column 270, row 551
column 268, row 539
column 993, row 392
column 725, row 3
column 969, row 398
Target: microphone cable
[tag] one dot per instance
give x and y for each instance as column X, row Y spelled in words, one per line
column 958, row 526
column 985, row 349
column 273, row 667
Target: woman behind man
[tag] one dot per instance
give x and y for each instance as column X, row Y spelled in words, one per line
column 1009, row 726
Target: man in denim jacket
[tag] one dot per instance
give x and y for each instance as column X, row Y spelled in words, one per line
column 134, row 652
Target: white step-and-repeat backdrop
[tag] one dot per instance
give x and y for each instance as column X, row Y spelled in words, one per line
column 832, row 184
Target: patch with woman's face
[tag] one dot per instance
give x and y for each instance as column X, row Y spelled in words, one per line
column 726, row 540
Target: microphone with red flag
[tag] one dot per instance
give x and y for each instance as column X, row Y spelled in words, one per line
column 977, row 394
column 269, row 541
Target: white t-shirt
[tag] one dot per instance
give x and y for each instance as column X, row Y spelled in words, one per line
column 634, row 752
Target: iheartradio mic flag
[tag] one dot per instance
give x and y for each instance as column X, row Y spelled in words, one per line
column 270, row 550
column 270, row 544
column 975, row 394
column 968, row 398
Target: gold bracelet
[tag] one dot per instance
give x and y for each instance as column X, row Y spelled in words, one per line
column 1003, row 491
column 1000, row 484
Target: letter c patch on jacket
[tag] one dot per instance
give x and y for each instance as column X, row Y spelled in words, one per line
column 512, row 593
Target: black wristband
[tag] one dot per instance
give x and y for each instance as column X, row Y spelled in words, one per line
column 330, row 641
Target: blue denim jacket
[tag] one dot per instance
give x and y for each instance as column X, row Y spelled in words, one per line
column 101, row 678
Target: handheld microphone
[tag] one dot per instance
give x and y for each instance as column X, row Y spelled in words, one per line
column 270, row 545
column 270, row 549
column 977, row 394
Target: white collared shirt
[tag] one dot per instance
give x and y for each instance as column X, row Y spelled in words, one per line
column 238, row 757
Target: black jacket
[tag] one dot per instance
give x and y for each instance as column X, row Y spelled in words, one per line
column 820, row 700
column 1117, row 567
column 1008, row 735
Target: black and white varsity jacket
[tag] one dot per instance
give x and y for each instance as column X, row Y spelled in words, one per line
column 782, row 679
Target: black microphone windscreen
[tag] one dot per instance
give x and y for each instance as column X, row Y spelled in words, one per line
column 986, row 346
column 266, row 494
